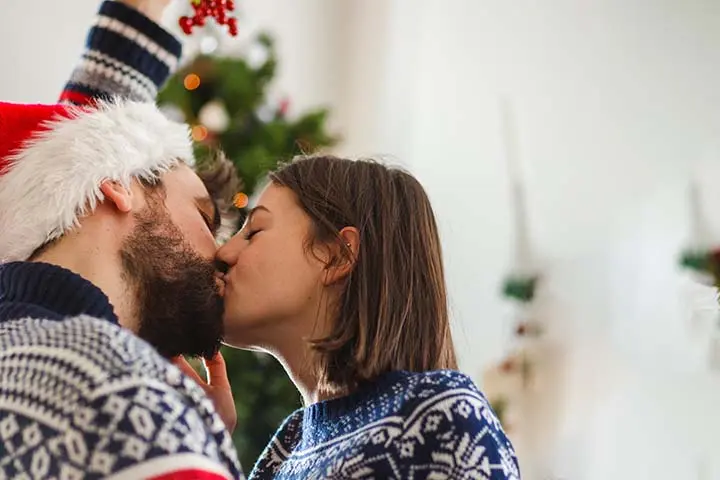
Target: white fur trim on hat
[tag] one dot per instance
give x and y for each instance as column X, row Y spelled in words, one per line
column 54, row 179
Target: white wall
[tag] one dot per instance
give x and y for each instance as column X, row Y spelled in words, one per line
column 615, row 102
column 41, row 43
column 308, row 34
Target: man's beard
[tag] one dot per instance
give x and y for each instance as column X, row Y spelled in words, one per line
column 179, row 306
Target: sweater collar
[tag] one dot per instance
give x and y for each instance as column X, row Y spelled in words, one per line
column 53, row 289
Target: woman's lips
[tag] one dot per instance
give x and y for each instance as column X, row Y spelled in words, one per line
column 220, row 281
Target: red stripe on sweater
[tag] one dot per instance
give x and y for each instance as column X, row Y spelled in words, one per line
column 190, row 474
column 75, row 97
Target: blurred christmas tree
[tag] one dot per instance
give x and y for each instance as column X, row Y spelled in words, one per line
column 225, row 101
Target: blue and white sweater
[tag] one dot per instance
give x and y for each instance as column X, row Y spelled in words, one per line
column 126, row 55
column 433, row 425
column 81, row 397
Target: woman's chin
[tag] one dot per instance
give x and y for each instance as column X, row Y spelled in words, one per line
column 243, row 346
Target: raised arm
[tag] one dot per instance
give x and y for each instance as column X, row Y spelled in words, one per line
column 127, row 54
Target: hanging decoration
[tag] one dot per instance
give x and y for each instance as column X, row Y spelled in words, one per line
column 699, row 257
column 521, row 283
column 507, row 380
column 217, row 10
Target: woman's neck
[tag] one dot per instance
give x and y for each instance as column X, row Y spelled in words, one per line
column 291, row 347
column 299, row 364
column 299, row 367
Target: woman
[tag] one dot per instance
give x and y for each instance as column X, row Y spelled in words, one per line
column 338, row 273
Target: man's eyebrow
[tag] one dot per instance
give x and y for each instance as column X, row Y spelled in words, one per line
column 209, row 205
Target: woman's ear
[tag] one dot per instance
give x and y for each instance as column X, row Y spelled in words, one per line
column 118, row 195
column 343, row 255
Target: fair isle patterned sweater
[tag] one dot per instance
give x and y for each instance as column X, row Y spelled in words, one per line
column 81, row 397
column 433, row 425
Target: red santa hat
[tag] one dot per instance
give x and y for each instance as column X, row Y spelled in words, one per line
column 53, row 159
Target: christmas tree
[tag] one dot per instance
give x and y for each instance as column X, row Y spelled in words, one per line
column 225, row 100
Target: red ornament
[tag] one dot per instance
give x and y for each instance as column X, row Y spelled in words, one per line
column 508, row 366
column 284, row 107
column 186, row 23
column 232, row 26
column 218, row 9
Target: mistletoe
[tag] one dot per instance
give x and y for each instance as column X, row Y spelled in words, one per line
column 204, row 9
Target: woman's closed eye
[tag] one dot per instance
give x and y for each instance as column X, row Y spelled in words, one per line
column 248, row 234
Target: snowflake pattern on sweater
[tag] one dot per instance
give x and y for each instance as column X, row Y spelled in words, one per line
column 434, row 425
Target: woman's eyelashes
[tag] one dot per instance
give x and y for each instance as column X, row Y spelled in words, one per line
column 250, row 233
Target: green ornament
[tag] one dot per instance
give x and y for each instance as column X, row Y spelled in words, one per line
column 696, row 260
column 521, row 289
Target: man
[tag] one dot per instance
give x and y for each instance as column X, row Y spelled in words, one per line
column 104, row 225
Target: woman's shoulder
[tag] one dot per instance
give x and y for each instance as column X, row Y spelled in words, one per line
column 444, row 379
column 448, row 415
column 444, row 383
column 451, row 393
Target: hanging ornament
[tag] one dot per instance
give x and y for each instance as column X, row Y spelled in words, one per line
column 528, row 328
column 199, row 133
column 521, row 284
column 240, row 200
column 191, row 81
column 257, row 55
column 702, row 256
column 214, row 116
column 204, row 9
column 284, row 107
column 208, row 45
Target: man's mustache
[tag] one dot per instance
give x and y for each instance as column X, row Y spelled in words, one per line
column 221, row 266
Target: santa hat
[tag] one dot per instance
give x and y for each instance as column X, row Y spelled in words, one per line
column 53, row 159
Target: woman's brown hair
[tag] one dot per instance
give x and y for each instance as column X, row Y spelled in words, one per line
column 393, row 312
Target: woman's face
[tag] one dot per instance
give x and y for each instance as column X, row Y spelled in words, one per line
column 274, row 284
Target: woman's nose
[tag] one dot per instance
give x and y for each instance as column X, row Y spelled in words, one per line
column 227, row 254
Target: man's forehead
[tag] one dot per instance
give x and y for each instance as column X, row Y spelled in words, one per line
column 183, row 179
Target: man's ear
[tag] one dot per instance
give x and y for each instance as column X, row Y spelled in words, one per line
column 118, row 195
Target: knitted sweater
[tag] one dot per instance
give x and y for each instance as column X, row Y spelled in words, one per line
column 81, row 397
column 433, row 425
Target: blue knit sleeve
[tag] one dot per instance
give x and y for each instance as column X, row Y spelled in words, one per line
column 85, row 398
column 451, row 432
column 126, row 55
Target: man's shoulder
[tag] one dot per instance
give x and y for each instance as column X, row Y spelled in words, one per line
column 98, row 348
column 97, row 357
column 88, row 381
